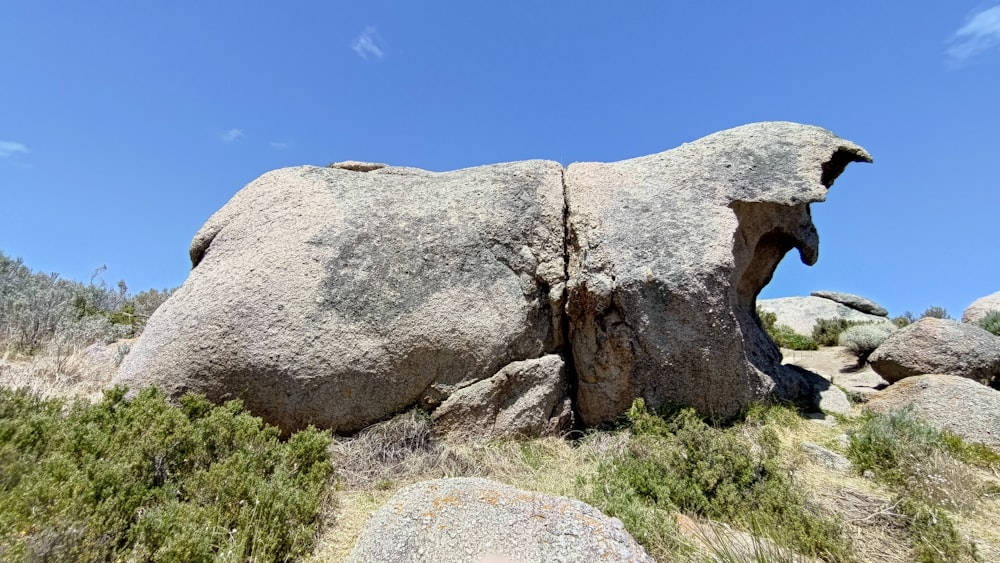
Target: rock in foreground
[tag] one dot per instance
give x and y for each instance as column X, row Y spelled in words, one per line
column 467, row 519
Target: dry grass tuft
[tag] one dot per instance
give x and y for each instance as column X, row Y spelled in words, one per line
column 78, row 372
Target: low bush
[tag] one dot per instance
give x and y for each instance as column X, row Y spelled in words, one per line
column 905, row 319
column 923, row 467
column 826, row 332
column 862, row 340
column 142, row 480
column 991, row 322
column 785, row 337
column 38, row 310
column 682, row 463
column 935, row 312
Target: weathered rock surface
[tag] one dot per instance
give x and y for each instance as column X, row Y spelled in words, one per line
column 940, row 346
column 947, row 402
column 826, row 457
column 981, row 307
column 668, row 253
column 336, row 297
column 528, row 398
column 469, row 519
column 801, row 313
column 838, row 366
column 856, row 302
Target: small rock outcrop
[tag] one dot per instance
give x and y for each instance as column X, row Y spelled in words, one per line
column 468, row 519
column 856, row 302
column 981, row 307
column 939, row 346
column 338, row 296
column 529, row 398
column 801, row 313
column 947, row 402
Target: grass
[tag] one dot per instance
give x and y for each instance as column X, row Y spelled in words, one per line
column 140, row 479
column 681, row 463
column 925, row 470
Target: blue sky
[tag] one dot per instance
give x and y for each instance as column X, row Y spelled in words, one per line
column 124, row 125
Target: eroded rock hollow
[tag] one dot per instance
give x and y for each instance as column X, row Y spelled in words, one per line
column 338, row 296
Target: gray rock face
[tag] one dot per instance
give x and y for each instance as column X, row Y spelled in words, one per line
column 523, row 399
column 801, row 313
column 947, row 402
column 826, row 457
column 981, row 307
column 938, row 346
column 475, row 519
column 336, row 297
column 668, row 253
column 854, row 302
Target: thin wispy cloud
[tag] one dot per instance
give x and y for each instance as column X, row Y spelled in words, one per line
column 369, row 44
column 10, row 148
column 279, row 146
column 231, row 135
column 979, row 35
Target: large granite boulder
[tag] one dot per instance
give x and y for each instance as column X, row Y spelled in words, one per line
column 801, row 313
column 938, row 346
column 981, row 307
column 336, row 297
column 469, row 519
column 667, row 254
column 946, row 402
column 853, row 301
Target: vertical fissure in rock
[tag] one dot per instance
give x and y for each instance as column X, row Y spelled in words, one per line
column 565, row 347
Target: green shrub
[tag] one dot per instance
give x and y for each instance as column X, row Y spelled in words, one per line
column 826, row 332
column 768, row 320
column 936, row 312
column 919, row 464
column 991, row 322
column 142, row 480
column 785, row 337
column 36, row 307
column 862, row 340
column 681, row 463
column 905, row 319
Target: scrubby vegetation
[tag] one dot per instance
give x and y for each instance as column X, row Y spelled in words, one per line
column 42, row 312
column 681, row 463
column 991, row 322
column 142, row 480
column 826, row 332
column 925, row 470
column 936, row 312
column 783, row 335
column 861, row 340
